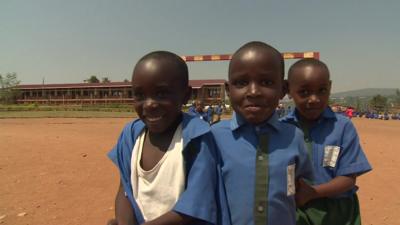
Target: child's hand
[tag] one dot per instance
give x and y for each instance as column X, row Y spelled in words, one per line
column 304, row 193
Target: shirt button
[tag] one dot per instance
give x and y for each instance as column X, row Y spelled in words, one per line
column 260, row 208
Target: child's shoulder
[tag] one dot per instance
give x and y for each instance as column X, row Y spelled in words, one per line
column 194, row 125
column 221, row 126
column 289, row 131
column 133, row 126
column 339, row 121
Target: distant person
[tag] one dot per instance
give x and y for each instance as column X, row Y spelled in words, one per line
column 199, row 110
column 349, row 112
column 386, row 116
column 192, row 108
column 210, row 114
column 261, row 157
column 333, row 145
column 218, row 112
column 166, row 158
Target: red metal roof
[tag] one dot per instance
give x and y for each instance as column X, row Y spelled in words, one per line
column 199, row 83
column 194, row 83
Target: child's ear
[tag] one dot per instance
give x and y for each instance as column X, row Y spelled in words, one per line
column 227, row 88
column 188, row 94
column 285, row 88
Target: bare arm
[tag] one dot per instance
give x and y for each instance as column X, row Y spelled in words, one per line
column 336, row 186
column 123, row 208
column 170, row 218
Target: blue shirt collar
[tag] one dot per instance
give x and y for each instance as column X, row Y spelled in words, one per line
column 293, row 115
column 237, row 121
column 192, row 127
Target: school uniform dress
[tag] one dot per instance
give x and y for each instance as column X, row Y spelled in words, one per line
column 198, row 195
column 259, row 167
column 335, row 150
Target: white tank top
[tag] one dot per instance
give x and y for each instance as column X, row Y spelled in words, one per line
column 157, row 190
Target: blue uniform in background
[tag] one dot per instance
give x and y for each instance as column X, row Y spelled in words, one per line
column 192, row 109
column 199, row 200
column 237, row 141
column 201, row 115
column 210, row 113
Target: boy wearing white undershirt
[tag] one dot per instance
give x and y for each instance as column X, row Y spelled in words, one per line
column 166, row 158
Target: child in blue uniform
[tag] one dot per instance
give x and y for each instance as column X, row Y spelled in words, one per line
column 261, row 157
column 334, row 148
column 166, row 158
column 199, row 111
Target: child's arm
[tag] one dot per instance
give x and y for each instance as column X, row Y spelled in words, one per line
column 123, row 209
column 336, row 186
column 170, row 218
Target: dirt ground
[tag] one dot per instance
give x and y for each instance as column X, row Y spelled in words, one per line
column 55, row 171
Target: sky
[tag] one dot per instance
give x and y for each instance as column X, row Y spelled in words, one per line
column 68, row 41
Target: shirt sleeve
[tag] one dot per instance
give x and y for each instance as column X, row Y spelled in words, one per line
column 352, row 159
column 120, row 155
column 198, row 199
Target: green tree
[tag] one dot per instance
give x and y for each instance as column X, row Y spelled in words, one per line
column 93, row 79
column 8, row 91
column 397, row 97
column 105, row 80
column 378, row 103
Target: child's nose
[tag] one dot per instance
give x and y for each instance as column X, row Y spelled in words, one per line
column 253, row 90
column 150, row 103
column 313, row 98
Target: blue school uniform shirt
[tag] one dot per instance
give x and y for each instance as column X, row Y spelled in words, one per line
column 218, row 110
column 333, row 129
column 237, row 142
column 199, row 197
column 201, row 115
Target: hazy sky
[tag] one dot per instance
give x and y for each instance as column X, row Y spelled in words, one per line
column 67, row 41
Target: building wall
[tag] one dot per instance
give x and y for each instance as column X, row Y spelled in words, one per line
column 210, row 94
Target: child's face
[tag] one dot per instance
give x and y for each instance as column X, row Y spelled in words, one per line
column 158, row 94
column 255, row 85
column 310, row 89
column 199, row 106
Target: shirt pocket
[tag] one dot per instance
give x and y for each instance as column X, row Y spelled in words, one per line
column 290, row 176
column 330, row 156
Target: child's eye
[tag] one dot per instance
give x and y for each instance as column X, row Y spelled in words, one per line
column 138, row 96
column 240, row 83
column 323, row 91
column 304, row 93
column 161, row 94
column 267, row 82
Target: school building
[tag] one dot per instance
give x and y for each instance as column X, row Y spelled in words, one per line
column 209, row 91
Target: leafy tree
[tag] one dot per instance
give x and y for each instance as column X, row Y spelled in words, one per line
column 8, row 91
column 105, row 80
column 397, row 97
column 93, row 79
column 378, row 103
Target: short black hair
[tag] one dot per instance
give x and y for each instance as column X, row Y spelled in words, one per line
column 307, row 62
column 170, row 58
column 262, row 46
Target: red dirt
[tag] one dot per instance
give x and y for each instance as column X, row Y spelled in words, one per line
column 56, row 171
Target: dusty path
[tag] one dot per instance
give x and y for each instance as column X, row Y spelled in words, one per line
column 56, row 171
